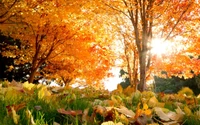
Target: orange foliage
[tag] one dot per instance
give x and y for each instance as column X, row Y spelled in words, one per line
column 60, row 37
column 165, row 20
column 73, row 39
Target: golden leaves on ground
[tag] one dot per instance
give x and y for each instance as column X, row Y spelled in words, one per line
column 143, row 109
column 111, row 123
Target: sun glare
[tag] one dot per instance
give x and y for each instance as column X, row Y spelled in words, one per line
column 160, row 47
column 112, row 82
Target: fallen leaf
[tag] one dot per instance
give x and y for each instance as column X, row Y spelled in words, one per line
column 152, row 102
column 138, row 111
column 146, row 110
column 30, row 117
column 15, row 107
column 190, row 100
column 14, row 93
column 187, row 111
column 161, row 114
column 124, row 119
column 15, row 116
column 110, row 115
column 171, row 123
column 111, row 123
column 116, row 99
column 85, row 116
column 55, row 123
column 197, row 113
column 125, row 111
column 180, row 114
column 44, row 93
column 57, row 89
column 145, row 106
column 28, row 86
column 142, row 120
column 100, row 109
column 70, row 112
column 172, row 115
column 37, row 107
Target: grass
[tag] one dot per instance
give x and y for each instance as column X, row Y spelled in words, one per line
column 44, row 108
column 192, row 120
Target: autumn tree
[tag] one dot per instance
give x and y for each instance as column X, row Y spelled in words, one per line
column 130, row 54
column 151, row 19
column 185, row 53
column 60, row 41
column 5, row 8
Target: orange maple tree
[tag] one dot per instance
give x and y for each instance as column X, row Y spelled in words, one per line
column 67, row 39
column 183, row 59
column 59, row 42
column 6, row 10
column 149, row 19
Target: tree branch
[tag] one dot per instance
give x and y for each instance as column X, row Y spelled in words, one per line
column 179, row 19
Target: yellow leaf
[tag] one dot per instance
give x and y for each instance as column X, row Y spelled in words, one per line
column 28, row 86
column 147, row 112
column 43, row 93
column 152, row 101
column 15, row 116
column 185, row 91
column 30, row 117
column 197, row 113
column 39, row 86
column 124, row 119
column 138, row 111
column 116, row 99
column 160, row 104
column 187, row 111
column 145, row 106
column 111, row 123
column 13, row 94
column 129, row 90
column 198, row 97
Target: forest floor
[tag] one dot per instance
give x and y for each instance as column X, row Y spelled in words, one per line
column 31, row 104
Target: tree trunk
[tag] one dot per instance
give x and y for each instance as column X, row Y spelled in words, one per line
column 32, row 75
column 142, row 61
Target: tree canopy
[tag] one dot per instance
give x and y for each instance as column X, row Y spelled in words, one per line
column 73, row 39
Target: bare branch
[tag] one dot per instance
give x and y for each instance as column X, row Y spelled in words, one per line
column 117, row 9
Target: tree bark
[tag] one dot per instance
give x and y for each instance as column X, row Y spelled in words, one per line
column 32, row 75
column 142, row 61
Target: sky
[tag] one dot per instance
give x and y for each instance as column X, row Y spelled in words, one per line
column 112, row 82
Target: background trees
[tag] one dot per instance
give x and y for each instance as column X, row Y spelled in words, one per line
column 75, row 39
column 152, row 19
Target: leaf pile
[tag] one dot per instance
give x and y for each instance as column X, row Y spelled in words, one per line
column 26, row 103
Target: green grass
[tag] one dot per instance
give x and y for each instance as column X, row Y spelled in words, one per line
column 192, row 120
column 43, row 110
